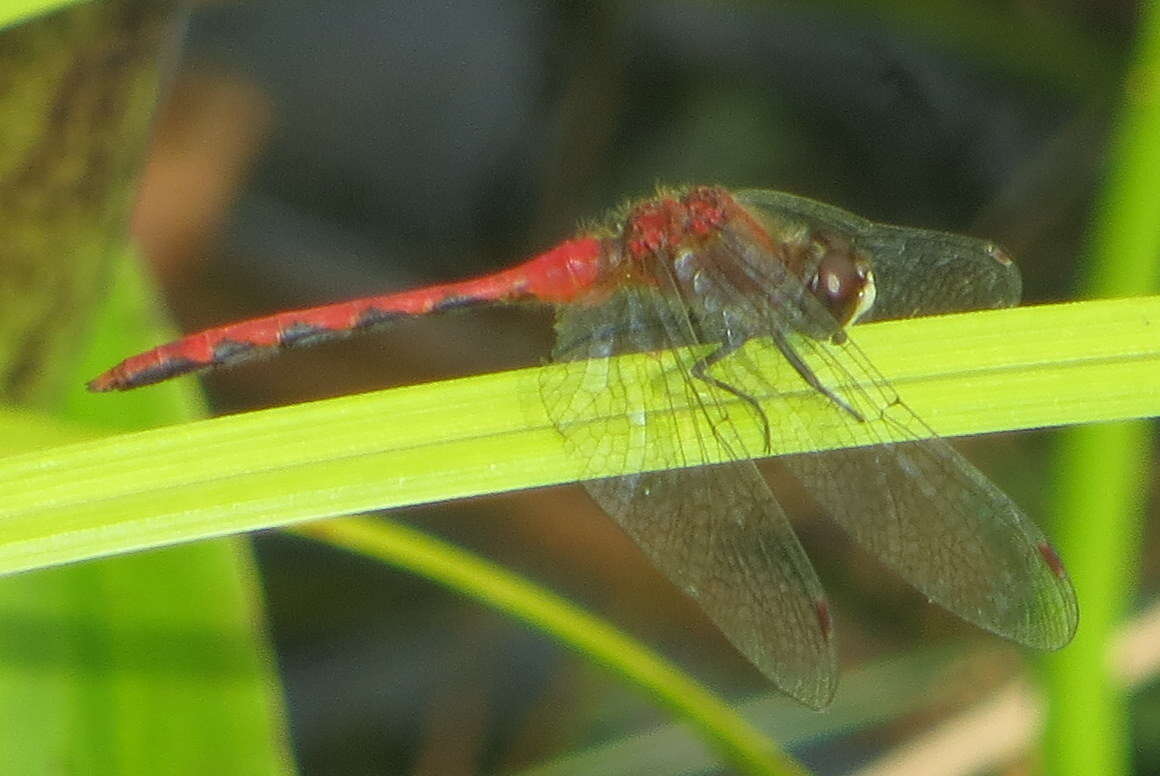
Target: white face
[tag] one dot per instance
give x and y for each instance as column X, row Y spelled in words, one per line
column 866, row 297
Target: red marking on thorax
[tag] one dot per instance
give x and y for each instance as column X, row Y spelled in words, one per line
column 649, row 228
column 661, row 225
column 708, row 208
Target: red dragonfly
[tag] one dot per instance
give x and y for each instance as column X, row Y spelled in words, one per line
column 690, row 276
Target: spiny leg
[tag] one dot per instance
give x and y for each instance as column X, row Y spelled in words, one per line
column 810, row 377
column 700, row 370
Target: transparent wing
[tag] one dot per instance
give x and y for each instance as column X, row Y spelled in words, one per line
column 919, row 506
column 719, row 535
column 918, row 271
column 716, row 531
column 942, row 526
column 904, row 494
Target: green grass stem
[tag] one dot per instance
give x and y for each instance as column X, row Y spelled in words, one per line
column 745, row 748
column 1100, row 472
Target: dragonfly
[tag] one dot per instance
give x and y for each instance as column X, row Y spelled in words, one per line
column 696, row 279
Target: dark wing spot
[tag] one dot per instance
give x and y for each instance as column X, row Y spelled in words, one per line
column 999, row 255
column 1051, row 558
column 822, row 610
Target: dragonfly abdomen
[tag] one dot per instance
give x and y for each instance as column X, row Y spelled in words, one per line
column 227, row 345
column 559, row 274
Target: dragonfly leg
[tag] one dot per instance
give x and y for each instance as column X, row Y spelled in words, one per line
column 811, row 379
column 700, row 370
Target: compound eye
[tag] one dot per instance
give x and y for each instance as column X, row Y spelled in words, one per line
column 844, row 284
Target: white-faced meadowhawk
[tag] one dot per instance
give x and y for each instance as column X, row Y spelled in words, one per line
column 697, row 277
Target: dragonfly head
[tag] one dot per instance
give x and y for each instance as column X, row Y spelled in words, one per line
column 843, row 281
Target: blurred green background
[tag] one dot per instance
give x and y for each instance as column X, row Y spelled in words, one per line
column 305, row 152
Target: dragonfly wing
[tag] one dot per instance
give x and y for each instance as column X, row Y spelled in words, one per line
column 921, row 508
column 940, row 524
column 719, row 535
column 917, row 271
column 931, row 273
column 716, row 531
column 907, row 496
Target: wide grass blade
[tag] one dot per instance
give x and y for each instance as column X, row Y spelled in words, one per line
column 1022, row 368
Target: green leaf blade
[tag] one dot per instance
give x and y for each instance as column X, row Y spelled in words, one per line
column 1068, row 364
